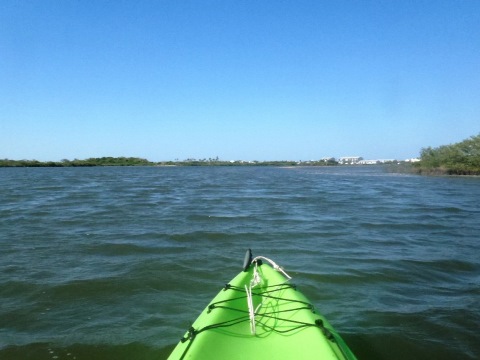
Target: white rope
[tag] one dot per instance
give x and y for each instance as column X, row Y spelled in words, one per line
column 274, row 265
column 256, row 279
column 251, row 310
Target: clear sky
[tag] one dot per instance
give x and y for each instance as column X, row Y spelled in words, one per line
column 237, row 79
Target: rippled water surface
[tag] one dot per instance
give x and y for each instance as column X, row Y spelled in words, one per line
column 115, row 263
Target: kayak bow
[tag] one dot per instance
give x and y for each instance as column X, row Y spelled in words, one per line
column 260, row 314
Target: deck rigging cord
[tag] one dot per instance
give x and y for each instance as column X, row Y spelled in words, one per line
column 256, row 280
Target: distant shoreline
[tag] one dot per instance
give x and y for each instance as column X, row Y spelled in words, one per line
column 133, row 161
column 394, row 167
column 93, row 162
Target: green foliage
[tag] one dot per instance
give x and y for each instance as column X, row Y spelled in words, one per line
column 111, row 161
column 133, row 161
column 104, row 161
column 27, row 163
column 462, row 158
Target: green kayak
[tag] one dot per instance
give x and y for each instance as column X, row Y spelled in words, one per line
column 261, row 315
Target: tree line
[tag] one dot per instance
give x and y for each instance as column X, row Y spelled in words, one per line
column 102, row 161
column 134, row 161
column 461, row 158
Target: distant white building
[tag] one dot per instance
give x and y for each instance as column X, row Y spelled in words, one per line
column 377, row 161
column 368, row 162
column 351, row 160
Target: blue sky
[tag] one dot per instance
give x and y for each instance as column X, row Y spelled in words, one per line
column 244, row 79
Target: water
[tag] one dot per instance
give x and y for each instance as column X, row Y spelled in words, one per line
column 115, row 263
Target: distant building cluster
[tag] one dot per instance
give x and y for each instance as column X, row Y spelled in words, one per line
column 358, row 160
column 350, row 160
column 353, row 160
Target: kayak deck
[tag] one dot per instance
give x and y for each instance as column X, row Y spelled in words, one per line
column 260, row 314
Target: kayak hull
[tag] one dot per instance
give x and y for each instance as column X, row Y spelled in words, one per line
column 270, row 319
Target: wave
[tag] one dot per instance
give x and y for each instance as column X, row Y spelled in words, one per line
column 48, row 351
column 115, row 263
